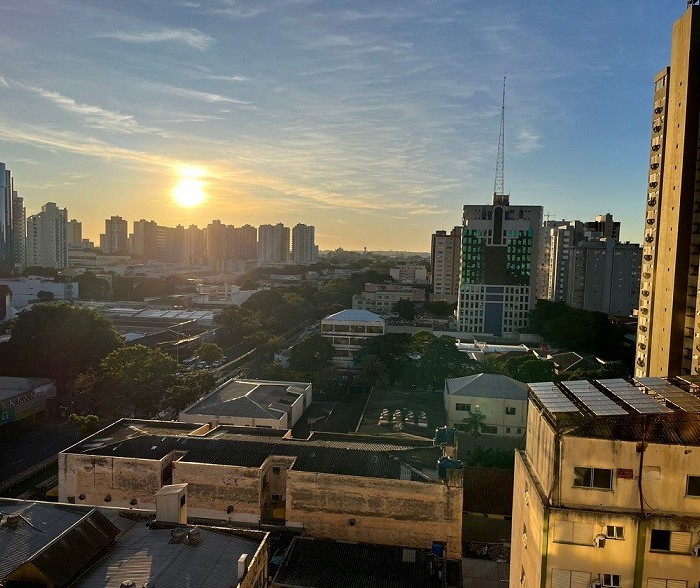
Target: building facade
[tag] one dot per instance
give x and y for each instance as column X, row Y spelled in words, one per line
column 273, row 244
column 349, row 331
column 606, row 491
column 19, row 231
column 409, row 274
column 668, row 329
column 74, row 233
column 6, row 223
column 116, row 236
column 303, row 244
column 380, row 298
column 444, row 264
column 604, row 276
column 47, row 245
column 498, row 266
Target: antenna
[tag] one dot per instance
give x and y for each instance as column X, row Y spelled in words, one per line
column 499, row 195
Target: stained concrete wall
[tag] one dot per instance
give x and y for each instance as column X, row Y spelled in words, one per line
column 371, row 510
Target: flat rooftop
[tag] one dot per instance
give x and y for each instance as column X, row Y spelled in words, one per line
column 250, row 399
column 11, row 386
column 391, row 457
column 654, row 409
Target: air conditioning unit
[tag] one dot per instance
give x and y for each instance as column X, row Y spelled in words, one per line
column 599, row 541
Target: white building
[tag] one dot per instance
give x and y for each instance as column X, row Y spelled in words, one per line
column 349, row 331
column 25, row 290
column 380, row 298
column 47, row 245
column 444, row 262
column 502, row 400
column 409, row 274
column 116, row 236
column 303, row 244
column 273, row 244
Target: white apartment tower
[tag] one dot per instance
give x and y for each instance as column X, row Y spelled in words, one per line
column 116, row 236
column 47, row 245
column 273, row 243
column 303, row 245
column 444, row 262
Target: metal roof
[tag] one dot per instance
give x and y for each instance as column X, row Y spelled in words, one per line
column 354, row 315
column 487, row 386
column 673, row 394
column 633, row 396
column 552, row 398
column 593, row 399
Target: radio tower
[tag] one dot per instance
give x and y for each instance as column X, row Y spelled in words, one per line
column 499, row 195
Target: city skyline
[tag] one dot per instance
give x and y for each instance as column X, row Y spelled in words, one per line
column 374, row 125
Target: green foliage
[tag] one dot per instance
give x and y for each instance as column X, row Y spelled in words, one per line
column 45, row 296
column 440, row 308
column 534, row 370
column 406, row 309
column 312, row 354
column 85, row 424
column 371, row 370
column 188, row 388
column 90, row 287
column 491, row 458
column 209, row 352
column 56, row 338
column 474, row 422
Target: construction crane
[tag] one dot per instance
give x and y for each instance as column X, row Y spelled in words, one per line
column 499, row 195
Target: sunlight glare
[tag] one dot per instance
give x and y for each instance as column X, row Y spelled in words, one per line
column 189, row 190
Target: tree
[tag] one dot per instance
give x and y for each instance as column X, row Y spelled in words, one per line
column 371, row 370
column 90, row 287
column 491, row 364
column 393, row 350
column 188, row 388
column 440, row 360
column 85, row 424
column 440, row 308
column 535, row 370
column 45, row 296
column 56, row 338
column 475, row 422
column 406, row 309
column 209, row 352
column 311, row 354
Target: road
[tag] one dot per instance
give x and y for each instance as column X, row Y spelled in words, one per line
column 37, row 442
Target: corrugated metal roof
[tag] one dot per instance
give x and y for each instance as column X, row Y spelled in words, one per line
column 354, row 315
column 312, row 563
column 487, row 386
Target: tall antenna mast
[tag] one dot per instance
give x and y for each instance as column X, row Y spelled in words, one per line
column 499, row 195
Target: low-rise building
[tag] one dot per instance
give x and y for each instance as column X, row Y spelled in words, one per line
column 502, row 401
column 409, row 274
column 26, row 290
column 252, row 403
column 357, row 488
column 348, row 331
column 380, row 298
column 606, row 491
column 23, row 398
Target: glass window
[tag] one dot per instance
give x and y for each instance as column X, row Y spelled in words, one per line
column 510, row 410
column 611, row 580
column 463, row 407
column 693, row 486
column 593, row 478
column 614, row 532
column 660, row 540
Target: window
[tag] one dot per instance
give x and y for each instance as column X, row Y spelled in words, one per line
column 664, row 583
column 570, row 579
column 573, row 532
column 464, row 407
column 510, row 410
column 593, row 478
column 611, row 580
column 614, row 532
column 670, row 541
column 693, row 486
column 489, row 429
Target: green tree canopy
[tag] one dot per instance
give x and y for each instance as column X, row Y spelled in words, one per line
column 440, row 308
column 188, row 388
column 209, row 352
column 371, row 370
column 52, row 339
column 406, row 309
column 85, row 424
column 311, row 354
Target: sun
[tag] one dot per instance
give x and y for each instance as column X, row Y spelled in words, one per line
column 189, row 191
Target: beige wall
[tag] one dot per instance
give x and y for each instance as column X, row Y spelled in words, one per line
column 389, row 512
column 495, row 411
column 540, row 449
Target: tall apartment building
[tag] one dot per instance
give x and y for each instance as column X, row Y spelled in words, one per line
column 606, row 492
column 116, row 236
column 444, row 263
column 19, row 230
column 273, row 243
column 7, row 258
column 243, row 243
column 303, row 244
column 497, row 283
column 194, row 248
column 144, row 240
column 216, row 244
column 47, row 245
column 74, row 233
column 669, row 327
column 604, row 276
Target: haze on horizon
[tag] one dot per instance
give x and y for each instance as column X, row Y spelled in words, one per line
column 373, row 121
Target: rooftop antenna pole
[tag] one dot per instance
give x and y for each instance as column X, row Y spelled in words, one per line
column 499, row 195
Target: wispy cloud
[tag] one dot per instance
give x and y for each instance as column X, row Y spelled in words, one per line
column 209, row 97
column 228, row 78
column 526, row 141
column 191, row 37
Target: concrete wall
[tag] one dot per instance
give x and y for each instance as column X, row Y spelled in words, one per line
column 256, row 576
column 495, row 411
column 234, row 421
column 388, row 512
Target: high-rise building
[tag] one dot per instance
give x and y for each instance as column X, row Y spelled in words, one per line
column 116, row 236
column 668, row 335
column 46, row 237
column 498, row 266
column 19, row 230
column 217, row 245
column 7, row 256
column 194, row 248
column 144, row 239
column 444, row 263
column 273, row 243
column 604, row 276
column 74, row 233
column 243, row 243
column 303, row 245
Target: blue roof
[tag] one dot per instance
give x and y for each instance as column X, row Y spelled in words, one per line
column 354, row 315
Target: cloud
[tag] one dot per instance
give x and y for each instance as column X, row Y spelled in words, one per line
column 228, row 78
column 209, row 97
column 3, row 82
column 527, row 141
column 191, row 37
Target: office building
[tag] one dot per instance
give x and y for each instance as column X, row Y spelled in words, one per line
column 46, row 237
column 498, row 278
column 19, row 231
column 380, row 298
column 444, row 263
column 303, row 244
column 273, row 244
column 668, row 331
column 604, row 276
column 349, row 331
column 7, row 256
column 409, row 274
column 116, row 236
column 74, row 233
column 606, row 491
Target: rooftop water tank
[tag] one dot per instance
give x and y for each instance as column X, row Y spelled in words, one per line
column 447, row 463
column 445, row 436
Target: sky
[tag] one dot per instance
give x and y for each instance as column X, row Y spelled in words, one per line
column 374, row 120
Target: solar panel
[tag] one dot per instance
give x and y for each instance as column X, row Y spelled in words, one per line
column 693, row 380
column 597, row 402
column 552, row 398
column 633, row 396
column 673, row 394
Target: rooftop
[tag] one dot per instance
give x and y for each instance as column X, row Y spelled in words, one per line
column 487, row 386
column 651, row 409
column 11, row 386
column 354, row 315
column 250, row 398
column 388, row 457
